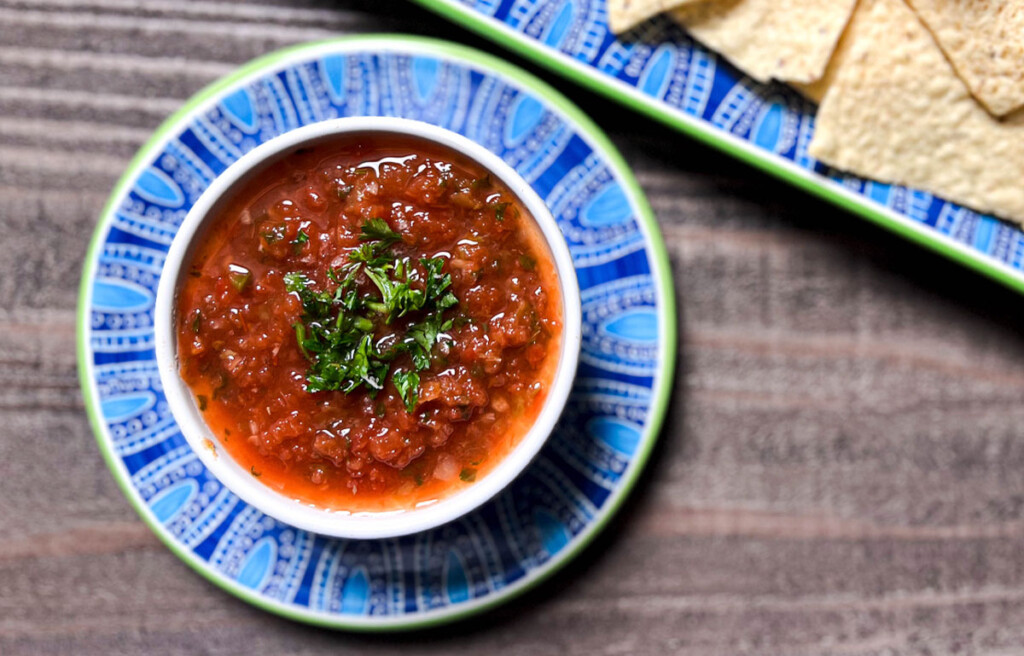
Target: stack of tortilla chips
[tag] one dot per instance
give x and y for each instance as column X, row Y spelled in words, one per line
column 924, row 93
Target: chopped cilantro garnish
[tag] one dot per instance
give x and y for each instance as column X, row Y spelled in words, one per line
column 499, row 210
column 337, row 333
column 378, row 230
column 300, row 239
column 407, row 383
column 300, row 337
column 202, row 402
column 468, row 475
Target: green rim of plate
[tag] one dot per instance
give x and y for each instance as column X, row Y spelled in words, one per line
column 594, row 80
column 660, row 269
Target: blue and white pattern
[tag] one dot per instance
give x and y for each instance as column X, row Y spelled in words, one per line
column 527, row 529
column 661, row 66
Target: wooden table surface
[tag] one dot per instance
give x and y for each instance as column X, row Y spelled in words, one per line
column 842, row 470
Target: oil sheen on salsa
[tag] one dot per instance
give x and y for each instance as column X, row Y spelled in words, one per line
column 487, row 373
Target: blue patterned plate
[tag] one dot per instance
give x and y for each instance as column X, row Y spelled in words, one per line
column 555, row 508
column 658, row 70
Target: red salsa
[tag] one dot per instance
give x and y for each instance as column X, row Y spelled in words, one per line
column 370, row 324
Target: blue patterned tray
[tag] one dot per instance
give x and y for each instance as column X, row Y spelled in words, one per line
column 552, row 511
column 659, row 71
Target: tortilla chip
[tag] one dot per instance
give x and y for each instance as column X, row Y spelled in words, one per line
column 984, row 40
column 816, row 90
column 787, row 40
column 897, row 112
column 627, row 14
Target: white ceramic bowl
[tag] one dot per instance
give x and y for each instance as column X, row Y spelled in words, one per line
column 304, row 515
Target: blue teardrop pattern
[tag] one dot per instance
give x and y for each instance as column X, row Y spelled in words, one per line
column 655, row 78
column 556, row 32
column 124, row 406
column 135, row 412
column 426, row 71
column 166, row 505
column 332, row 70
column 624, row 348
column 456, row 585
column 240, row 110
column 157, row 187
column 554, row 536
column 984, row 230
column 608, row 207
column 600, row 231
column 355, row 594
column 879, row 192
column 768, row 128
column 257, row 566
column 593, row 437
column 122, row 296
column 527, row 112
column 636, row 325
column 623, row 436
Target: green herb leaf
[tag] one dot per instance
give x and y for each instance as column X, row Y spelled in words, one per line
column 316, row 304
column 499, row 210
column 407, row 383
column 422, row 336
column 301, row 239
column 300, row 337
column 379, row 230
column 201, row 398
column 376, row 236
column 468, row 475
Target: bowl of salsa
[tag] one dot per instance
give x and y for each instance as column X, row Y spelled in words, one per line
column 367, row 327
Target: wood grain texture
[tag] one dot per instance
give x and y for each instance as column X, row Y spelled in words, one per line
column 842, row 471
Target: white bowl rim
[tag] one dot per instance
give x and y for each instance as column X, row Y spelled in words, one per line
column 339, row 523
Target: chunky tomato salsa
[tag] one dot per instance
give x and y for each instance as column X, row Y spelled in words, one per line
column 370, row 324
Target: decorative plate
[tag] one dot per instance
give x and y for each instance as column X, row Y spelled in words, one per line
column 656, row 69
column 547, row 515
